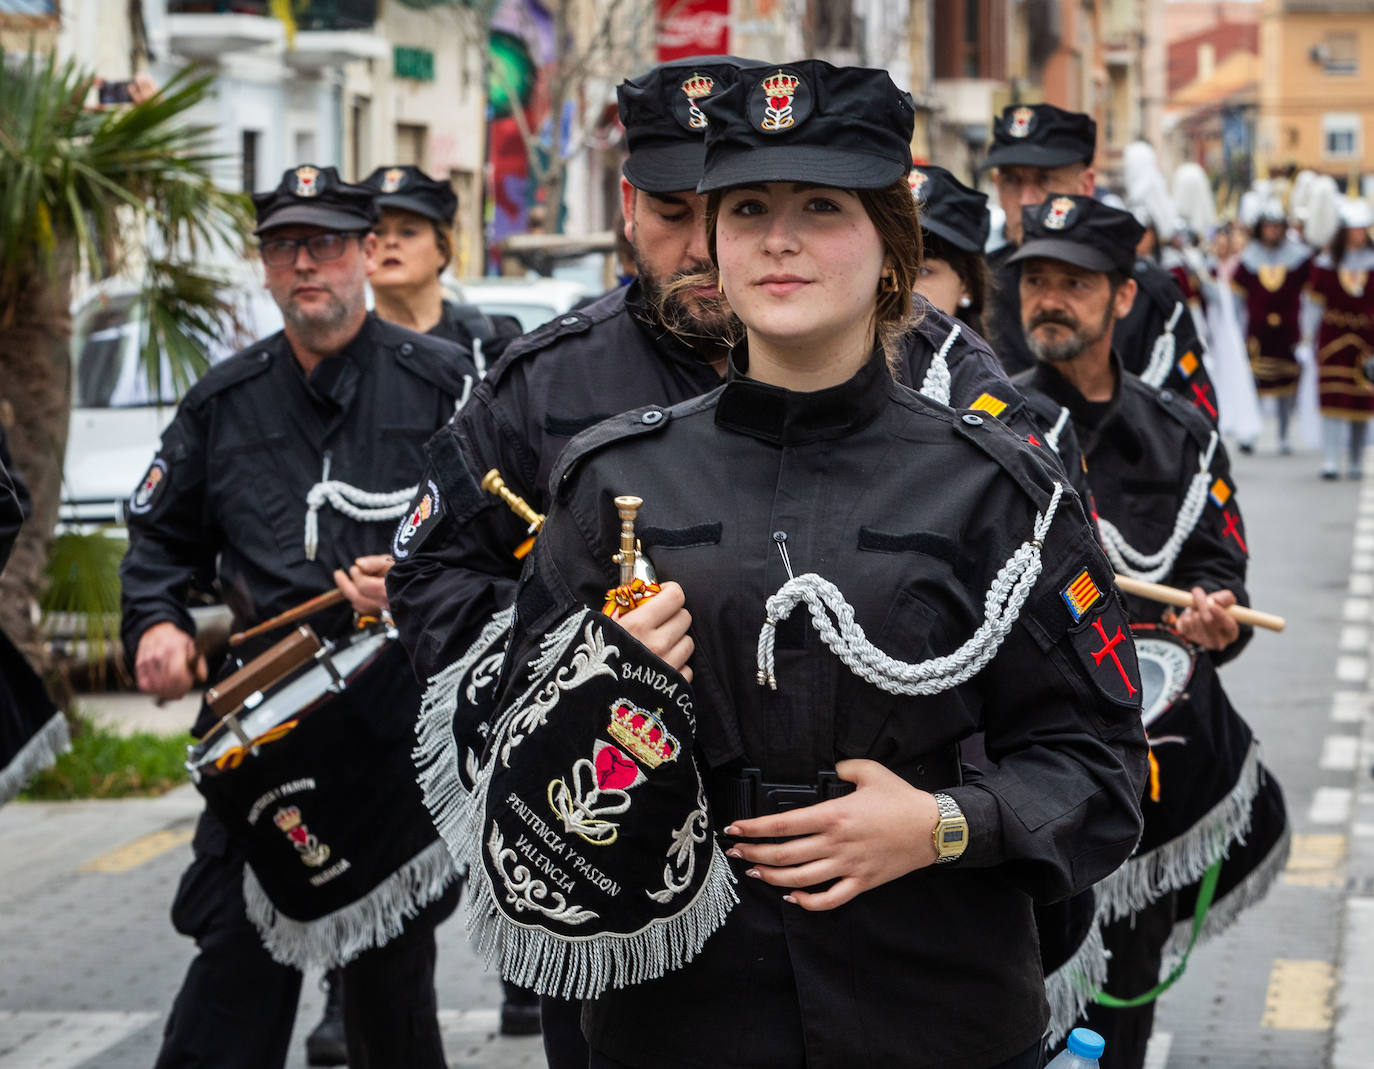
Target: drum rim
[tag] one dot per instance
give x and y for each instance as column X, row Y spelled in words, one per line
column 1161, row 633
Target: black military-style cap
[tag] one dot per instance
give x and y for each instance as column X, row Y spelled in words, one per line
column 1041, row 135
column 664, row 124
column 411, row 190
column 1079, row 231
column 315, row 196
column 949, row 209
column 847, row 127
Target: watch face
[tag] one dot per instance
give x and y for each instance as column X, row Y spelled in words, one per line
column 951, row 838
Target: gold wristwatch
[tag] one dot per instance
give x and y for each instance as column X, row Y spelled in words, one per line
column 950, row 836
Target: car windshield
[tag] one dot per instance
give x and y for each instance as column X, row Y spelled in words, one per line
column 530, row 315
column 109, row 372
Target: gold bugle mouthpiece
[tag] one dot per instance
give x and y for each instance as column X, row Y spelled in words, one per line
column 492, row 483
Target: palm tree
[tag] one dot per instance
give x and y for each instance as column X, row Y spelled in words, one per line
column 99, row 191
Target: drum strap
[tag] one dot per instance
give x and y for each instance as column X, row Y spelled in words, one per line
column 1206, row 893
column 846, row 639
column 1153, row 567
column 936, row 384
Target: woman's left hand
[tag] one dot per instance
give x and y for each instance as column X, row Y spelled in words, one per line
column 880, row 831
column 1207, row 622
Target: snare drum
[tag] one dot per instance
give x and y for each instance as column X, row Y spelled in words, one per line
column 340, row 849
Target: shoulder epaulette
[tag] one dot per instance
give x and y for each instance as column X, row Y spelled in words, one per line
column 441, row 363
column 245, row 364
column 567, row 325
column 1012, row 453
column 632, row 424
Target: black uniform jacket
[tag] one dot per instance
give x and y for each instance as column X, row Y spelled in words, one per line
column 1143, row 448
column 560, row 379
column 1134, row 335
column 228, row 500
column 910, row 508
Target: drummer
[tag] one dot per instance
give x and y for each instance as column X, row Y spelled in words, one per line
column 1160, row 476
column 226, row 501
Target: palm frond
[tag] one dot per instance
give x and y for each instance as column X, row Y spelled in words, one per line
column 83, row 588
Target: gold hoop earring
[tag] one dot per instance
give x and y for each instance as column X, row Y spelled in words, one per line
column 720, row 285
column 887, row 282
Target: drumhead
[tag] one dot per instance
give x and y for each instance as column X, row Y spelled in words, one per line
column 292, row 699
column 1166, row 667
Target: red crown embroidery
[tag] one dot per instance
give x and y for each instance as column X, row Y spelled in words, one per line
column 780, row 88
column 698, row 86
column 287, row 819
column 642, row 733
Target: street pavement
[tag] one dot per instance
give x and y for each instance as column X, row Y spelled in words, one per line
column 89, row 962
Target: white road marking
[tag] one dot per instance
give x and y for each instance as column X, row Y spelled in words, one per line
column 470, row 1021
column 1354, row 638
column 1157, row 1053
column 34, row 1040
column 1330, row 805
column 1352, row 669
column 1355, row 610
column 1349, row 706
column 1362, row 562
column 1356, row 990
column 1364, row 543
column 1362, row 585
column 1340, row 753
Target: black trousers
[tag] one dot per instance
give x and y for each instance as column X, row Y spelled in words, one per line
column 1137, row 947
column 1031, row 1058
column 237, row 1006
column 560, row 1021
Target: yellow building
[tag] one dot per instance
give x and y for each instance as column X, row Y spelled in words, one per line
column 1316, row 90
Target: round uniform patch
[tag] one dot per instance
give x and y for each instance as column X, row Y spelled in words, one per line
column 1059, row 214
column 1022, row 119
column 150, row 489
column 780, row 102
column 422, row 516
column 685, row 103
column 307, row 182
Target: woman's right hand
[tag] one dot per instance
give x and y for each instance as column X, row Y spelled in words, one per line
column 661, row 624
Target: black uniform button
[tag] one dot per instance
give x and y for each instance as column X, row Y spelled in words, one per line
column 972, row 420
column 1167, row 395
column 264, row 357
column 651, row 417
column 407, row 348
column 779, row 536
column 569, row 321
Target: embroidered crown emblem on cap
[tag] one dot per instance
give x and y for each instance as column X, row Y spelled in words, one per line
column 392, row 179
column 1021, row 121
column 917, row 180
column 1059, row 214
column 695, row 88
column 785, row 99
column 307, row 181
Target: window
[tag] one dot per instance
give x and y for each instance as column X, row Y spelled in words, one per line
column 248, row 140
column 410, row 144
column 304, row 144
column 1340, row 53
column 1341, row 136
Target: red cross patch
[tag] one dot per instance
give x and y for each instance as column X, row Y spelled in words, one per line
column 1102, row 640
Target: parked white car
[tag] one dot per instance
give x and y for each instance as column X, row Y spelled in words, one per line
column 533, row 301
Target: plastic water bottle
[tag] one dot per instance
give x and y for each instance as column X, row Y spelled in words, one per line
column 1084, row 1048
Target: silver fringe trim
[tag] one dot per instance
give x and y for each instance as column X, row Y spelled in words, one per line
column 49, row 743
column 372, row 921
column 1071, row 987
column 436, row 756
column 584, row 968
column 1225, row 912
column 1184, row 860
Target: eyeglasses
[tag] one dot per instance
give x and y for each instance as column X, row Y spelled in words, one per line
column 282, row 252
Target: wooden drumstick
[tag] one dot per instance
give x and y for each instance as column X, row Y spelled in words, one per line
column 1170, row 595
column 316, row 604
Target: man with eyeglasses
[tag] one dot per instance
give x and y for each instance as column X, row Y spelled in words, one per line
column 260, row 489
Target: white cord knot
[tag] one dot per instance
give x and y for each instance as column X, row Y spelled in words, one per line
column 1152, row 567
column 362, row 506
column 846, row 639
column 1052, row 439
column 936, row 384
column 1162, row 355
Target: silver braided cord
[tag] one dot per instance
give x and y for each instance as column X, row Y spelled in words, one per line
column 1153, row 567
column 846, row 639
column 936, row 384
column 364, row 506
column 1162, row 355
column 1052, row 439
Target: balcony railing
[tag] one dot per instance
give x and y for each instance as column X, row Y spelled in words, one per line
column 317, row 15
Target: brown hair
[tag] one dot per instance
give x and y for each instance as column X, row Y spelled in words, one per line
column 973, row 271
column 443, row 237
column 894, row 214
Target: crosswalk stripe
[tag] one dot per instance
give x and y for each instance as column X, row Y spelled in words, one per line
column 143, row 849
column 1300, row 996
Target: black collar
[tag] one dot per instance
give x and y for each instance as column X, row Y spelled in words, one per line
column 1091, row 422
column 789, row 417
column 335, row 378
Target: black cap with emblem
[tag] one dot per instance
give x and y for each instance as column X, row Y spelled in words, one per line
column 847, row 127
column 664, row 123
column 949, row 209
column 315, row 196
column 1079, row 231
column 411, row 190
column 1041, row 135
